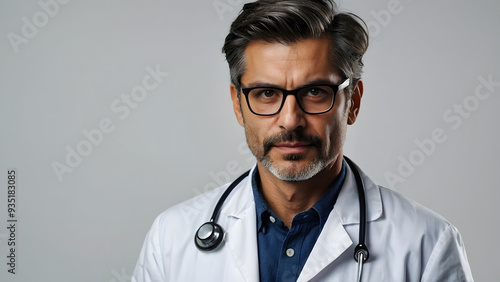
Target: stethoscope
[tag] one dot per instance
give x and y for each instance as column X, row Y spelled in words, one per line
column 210, row 234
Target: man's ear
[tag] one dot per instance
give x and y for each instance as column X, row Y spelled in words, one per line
column 357, row 94
column 236, row 104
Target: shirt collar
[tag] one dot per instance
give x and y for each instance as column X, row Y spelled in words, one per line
column 261, row 206
column 322, row 207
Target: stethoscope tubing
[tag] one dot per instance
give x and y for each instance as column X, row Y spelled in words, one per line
column 224, row 196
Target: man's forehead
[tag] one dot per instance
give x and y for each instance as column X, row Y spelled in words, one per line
column 301, row 47
column 296, row 63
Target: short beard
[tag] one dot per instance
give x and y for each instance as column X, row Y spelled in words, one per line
column 313, row 168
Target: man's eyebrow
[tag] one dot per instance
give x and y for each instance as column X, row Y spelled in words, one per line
column 271, row 85
column 261, row 84
column 318, row 81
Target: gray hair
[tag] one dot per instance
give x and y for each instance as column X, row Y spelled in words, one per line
column 288, row 21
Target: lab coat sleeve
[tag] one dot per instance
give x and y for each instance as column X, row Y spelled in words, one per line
column 448, row 260
column 149, row 267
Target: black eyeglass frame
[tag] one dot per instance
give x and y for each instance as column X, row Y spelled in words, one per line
column 335, row 88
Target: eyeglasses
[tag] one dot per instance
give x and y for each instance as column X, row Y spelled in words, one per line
column 312, row 99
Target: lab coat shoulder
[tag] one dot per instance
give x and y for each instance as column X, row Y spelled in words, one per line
column 434, row 248
column 407, row 242
column 169, row 252
column 399, row 209
column 170, row 235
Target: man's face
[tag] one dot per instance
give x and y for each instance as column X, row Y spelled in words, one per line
column 293, row 145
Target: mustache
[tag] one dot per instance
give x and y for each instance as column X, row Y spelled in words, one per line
column 291, row 136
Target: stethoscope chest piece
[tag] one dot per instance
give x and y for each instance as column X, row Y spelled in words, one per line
column 209, row 236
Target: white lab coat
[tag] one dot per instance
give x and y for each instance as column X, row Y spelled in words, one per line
column 407, row 242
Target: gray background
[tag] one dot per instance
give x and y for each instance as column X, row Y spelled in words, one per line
column 182, row 138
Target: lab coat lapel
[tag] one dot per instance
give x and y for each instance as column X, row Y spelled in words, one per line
column 334, row 239
column 331, row 243
column 241, row 236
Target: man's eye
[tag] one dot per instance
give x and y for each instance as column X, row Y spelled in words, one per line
column 268, row 93
column 313, row 92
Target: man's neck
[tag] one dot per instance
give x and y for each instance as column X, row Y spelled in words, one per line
column 288, row 198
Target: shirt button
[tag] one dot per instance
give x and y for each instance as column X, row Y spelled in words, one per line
column 290, row 252
column 272, row 219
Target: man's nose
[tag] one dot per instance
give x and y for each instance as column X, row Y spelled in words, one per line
column 291, row 115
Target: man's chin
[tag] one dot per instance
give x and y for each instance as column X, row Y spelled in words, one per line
column 294, row 170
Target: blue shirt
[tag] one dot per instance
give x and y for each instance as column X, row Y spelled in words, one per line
column 282, row 251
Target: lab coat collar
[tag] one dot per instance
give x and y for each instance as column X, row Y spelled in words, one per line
column 347, row 206
column 239, row 218
column 242, row 199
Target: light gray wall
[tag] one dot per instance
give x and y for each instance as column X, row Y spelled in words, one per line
column 65, row 73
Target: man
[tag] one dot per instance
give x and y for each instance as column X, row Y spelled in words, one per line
column 295, row 85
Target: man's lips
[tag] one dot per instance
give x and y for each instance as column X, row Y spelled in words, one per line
column 292, row 147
